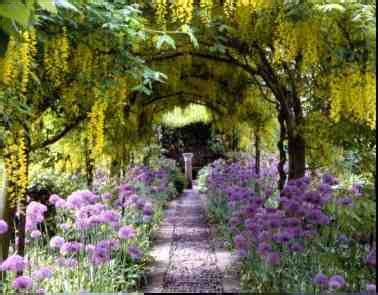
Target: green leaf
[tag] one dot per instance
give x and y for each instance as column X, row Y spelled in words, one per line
column 65, row 4
column 48, row 5
column 15, row 10
column 332, row 7
column 165, row 39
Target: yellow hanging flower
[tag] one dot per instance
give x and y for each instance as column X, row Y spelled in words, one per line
column 96, row 126
column 182, row 10
column 161, row 7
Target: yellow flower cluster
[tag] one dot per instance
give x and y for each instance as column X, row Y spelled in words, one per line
column 16, row 67
column 229, row 8
column 17, row 171
column 206, row 10
column 70, row 94
column 234, row 8
column 353, row 94
column 96, row 128
column 83, row 61
column 10, row 68
column 182, row 11
column 160, row 11
column 56, row 54
column 295, row 38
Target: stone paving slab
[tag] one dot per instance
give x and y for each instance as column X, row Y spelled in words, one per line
column 186, row 258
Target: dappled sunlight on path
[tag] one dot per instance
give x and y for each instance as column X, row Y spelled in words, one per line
column 186, row 258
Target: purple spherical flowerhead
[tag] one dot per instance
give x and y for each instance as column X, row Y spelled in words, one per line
column 22, row 282
column 240, row 242
column 54, row 198
column 111, row 217
column 42, row 274
column 3, row 227
column 371, row 258
column 57, row 242
column 321, row 280
column 34, row 215
column 14, row 263
column 336, row 282
column 273, row 258
column 329, row 179
column 126, row 232
column 80, row 199
column 371, row 288
column 107, row 196
column 67, row 262
column 70, row 248
column 296, row 247
column 134, row 252
column 35, row 234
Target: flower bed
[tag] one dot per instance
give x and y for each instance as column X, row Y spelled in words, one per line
column 296, row 240
column 102, row 239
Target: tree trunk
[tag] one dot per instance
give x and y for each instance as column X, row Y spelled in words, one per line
column 281, row 148
column 89, row 165
column 297, row 156
column 257, row 152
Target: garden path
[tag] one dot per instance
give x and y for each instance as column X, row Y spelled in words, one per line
column 187, row 257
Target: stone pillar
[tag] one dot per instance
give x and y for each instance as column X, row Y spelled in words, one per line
column 188, row 169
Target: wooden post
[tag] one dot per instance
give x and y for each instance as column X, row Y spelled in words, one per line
column 188, row 169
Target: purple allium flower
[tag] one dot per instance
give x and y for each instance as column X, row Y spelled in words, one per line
column 67, row 262
column 111, row 216
column 80, row 199
column 329, row 179
column 3, row 227
column 70, row 262
column 54, row 198
column 346, row 201
column 242, row 253
column 57, row 242
column 357, row 189
column 134, row 252
column 61, row 204
column 70, row 248
column 148, row 210
column 296, row 247
column 140, row 203
column 126, row 232
column 371, row 258
column 90, row 248
column 100, row 255
column 107, row 197
column 321, row 280
column 240, row 242
column 343, row 239
column 35, row 234
column 273, row 258
column 35, row 208
column 371, row 288
column 42, row 274
column 336, row 282
column 22, row 282
column 265, row 248
column 34, row 215
column 14, row 263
